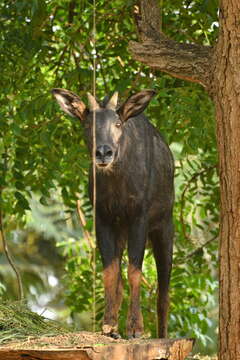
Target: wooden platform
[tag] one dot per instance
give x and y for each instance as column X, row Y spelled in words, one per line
column 147, row 349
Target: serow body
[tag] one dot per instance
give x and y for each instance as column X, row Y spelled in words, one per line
column 134, row 200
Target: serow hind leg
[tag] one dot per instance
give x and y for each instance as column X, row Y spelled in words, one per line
column 136, row 247
column 162, row 242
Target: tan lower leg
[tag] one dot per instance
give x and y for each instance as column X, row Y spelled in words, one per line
column 111, row 276
column 135, row 319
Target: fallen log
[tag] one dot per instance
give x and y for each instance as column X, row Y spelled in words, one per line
column 144, row 349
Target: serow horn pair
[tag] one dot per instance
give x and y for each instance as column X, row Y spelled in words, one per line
column 94, row 105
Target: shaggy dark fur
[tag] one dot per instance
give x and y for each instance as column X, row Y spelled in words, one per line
column 134, row 201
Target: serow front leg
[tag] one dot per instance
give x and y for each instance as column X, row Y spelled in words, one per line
column 136, row 247
column 113, row 297
column 111, row 252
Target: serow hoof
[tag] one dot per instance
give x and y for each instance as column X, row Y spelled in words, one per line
column 110, row 331
column 115, row 335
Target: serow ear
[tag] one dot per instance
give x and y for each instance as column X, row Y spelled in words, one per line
column 70, row 103
column 135, row 104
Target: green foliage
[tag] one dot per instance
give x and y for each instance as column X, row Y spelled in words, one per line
column 46, row 44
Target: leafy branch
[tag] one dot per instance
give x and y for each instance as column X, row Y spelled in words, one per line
column 183, row 200
column 195, row 251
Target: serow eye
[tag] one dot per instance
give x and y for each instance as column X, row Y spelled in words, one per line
column 118, row 124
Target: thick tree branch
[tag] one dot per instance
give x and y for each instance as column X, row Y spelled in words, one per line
column 186, row 61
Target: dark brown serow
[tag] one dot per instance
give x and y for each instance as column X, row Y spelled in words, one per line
column 134, row 201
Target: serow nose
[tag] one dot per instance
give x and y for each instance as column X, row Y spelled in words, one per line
column 103, row 151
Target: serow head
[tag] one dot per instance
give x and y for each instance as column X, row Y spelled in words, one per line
column 109, row 118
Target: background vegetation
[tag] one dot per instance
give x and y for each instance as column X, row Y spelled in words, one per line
column 44, row 162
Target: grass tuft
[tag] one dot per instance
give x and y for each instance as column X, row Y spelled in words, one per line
column 17, row 322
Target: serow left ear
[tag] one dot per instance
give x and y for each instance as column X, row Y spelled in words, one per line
column 135, row 104
column 70, row 103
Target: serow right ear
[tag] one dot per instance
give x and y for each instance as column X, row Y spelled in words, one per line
column 70, row 103
column 135, row 104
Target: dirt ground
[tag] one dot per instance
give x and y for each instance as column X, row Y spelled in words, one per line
column 76, row 340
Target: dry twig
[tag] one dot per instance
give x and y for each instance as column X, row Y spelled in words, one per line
column 83, row 223
column 9, row 258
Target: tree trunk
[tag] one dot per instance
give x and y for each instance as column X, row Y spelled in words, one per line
column 227, row 101
column 218, row 70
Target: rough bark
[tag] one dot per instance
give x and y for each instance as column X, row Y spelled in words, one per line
column 218, row 70
column 187, row 61
column 227, row 101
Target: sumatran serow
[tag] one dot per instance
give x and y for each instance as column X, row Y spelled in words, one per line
column 134, row 199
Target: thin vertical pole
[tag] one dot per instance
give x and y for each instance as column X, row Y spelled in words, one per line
column 94, row 168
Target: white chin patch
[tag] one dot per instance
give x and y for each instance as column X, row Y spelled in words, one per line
column 104, row 168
